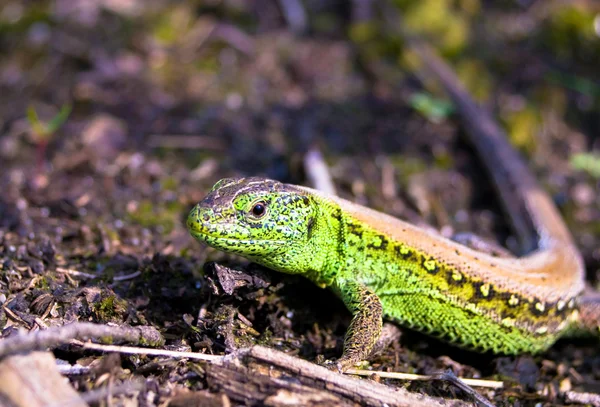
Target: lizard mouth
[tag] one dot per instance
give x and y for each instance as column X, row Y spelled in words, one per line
column 206, row 232
column 209, row 238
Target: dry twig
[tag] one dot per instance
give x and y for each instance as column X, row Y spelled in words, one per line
column 52, row 337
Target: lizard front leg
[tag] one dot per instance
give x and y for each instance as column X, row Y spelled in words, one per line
column 365, row 329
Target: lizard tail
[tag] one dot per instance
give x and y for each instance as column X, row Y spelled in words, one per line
column 589, row 313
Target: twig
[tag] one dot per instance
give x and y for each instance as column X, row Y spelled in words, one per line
column 56, row 336
column 317, row 171
column 451, row 377
column 236, row 38
column 492, row 384
column 127, row 276
column 582, row 398
column 132, row 350
column 66, row 369
column 75, row 273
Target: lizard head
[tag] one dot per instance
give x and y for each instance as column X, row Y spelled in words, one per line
column 260, row 219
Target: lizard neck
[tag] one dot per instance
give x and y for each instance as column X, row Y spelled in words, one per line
column 326, row 245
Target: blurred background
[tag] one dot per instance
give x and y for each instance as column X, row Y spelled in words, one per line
column 134, row 108
column 116, row 116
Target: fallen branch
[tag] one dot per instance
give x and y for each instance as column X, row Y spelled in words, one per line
column 306, row 382
column 53, row 337
column 317, row 381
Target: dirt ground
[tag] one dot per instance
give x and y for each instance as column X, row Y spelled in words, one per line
column 165, row 98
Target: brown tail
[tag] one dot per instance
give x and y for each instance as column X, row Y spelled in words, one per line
column 589, row 312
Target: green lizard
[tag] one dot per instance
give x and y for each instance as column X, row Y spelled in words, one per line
column 382, row 267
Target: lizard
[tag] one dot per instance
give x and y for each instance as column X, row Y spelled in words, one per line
column 385, row 268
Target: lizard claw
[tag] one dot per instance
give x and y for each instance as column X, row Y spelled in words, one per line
column 334, row 366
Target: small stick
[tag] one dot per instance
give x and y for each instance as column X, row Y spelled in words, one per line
column 590, row 399
column 75, row 273
column 127, row 276
column 492, row 384
column 132, row 350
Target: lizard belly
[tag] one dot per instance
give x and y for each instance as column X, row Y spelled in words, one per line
column 468, row 326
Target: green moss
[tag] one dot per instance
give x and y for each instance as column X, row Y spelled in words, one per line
column 522, row 126
column 587, row 162
column 435, row 110
column 172, row 25
column 107, row 340
column 42, row 283
column 150, row 215
column 569, row 33
column 363, row 32
column 109, row 308
column 266, row 338
column 31, row 16
column 551, row 98
column 444, row 160
column 169, row 184
column 475, row 76
column 441, row 21
column 407, row 166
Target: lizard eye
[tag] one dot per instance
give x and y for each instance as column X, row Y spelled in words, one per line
column 259, row 209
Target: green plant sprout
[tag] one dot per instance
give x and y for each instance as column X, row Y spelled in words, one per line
column 42, row 132
column 435, row 110
column 587, row 162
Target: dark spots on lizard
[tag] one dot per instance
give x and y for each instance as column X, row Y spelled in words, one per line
column 513, row 300
column 539, row 308
column 337, row 215
column 430, row 265
column 310, row 225
column 454, row 277
column 482, row 291
column 378, row 242
column 405, row 253
column 561, row 307
column 355, row 230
